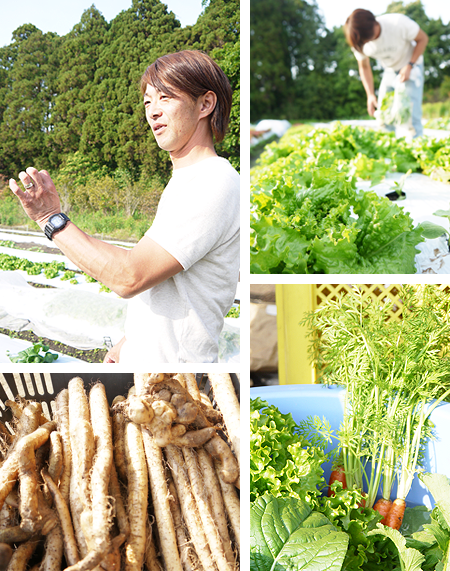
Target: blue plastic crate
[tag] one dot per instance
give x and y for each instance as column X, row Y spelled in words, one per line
column 319, row 400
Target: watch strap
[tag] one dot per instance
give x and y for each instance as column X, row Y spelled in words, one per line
column 412, row 64
column 50, row 229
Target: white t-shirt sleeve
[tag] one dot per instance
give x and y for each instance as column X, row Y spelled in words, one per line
column 408, row 28
column 198, row 215
column 358, row 55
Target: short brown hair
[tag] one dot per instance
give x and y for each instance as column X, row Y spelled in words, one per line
column 194, row 73
column 359, row 28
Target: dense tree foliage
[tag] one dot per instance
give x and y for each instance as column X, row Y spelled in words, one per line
column 73, row 102
column 301, row 70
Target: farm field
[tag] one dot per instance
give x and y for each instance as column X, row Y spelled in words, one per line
column 320, row 202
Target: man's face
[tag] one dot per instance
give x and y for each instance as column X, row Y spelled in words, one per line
column 174, row 120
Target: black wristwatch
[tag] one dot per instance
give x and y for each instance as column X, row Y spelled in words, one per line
column 55, row 223
column 411, row 63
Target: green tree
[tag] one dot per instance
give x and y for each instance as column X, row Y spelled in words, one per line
column 78, row 55
column 115, row 132
column 284, row 37
column 28, row 101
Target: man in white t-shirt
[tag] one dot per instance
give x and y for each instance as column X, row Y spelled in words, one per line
column 397, row 43
column 182, row 275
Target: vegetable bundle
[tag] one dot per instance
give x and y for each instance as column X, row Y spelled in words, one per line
column 395, row 374
column 149, row 483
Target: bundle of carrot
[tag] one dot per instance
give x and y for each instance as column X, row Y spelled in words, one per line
column 395, row 372
column 148, row 483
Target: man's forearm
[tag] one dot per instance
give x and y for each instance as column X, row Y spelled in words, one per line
column 365, row 71
column 126, row 272
column 106, row 263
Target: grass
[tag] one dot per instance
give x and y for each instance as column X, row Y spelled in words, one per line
column 436, row 110
column 117, row 226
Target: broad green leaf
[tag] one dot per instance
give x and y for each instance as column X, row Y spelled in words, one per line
column 286, row 535
column 431, row 230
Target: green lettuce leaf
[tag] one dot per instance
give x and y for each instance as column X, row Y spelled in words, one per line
column 410, row 559
column 285, row 534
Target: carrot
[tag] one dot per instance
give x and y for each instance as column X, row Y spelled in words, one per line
column 383, row 506
column 337, row 475
column 394, row 518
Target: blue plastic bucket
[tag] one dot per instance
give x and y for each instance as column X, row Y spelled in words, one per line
column 319, row 400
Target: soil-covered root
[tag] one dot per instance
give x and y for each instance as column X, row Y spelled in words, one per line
column 101, row 469
column 112, row 560
column 55, row 461
column 62, row 420
column 22, row 555
column 82, row 445
column 70, row 545
column 215, row 501
column 118, row 425
column 220, row 451
column 232, row 505
column 26, row 471
column 53, row 554
column 189, row 509
column 210, row 528
column 151, row 557
column 160, row 497
column 137, row 497
column 119, row 508
column 226, row 398
column 188, row 556
column 145, row 381
column 14, row 534
column 6, row 553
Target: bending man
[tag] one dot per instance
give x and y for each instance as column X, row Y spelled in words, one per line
column 397, row 42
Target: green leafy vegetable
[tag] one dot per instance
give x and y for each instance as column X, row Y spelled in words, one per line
column 287, row 535
column 307, row 215
column 282, row 459
column 33, row 355
column 410, row 559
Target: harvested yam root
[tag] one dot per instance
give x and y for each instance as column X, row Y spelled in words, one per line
column 136, row 486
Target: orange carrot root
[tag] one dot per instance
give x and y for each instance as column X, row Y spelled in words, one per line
column 337, row 475
column 383, row 507
column 395, row 516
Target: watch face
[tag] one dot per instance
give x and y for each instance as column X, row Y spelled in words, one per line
column 57, row 221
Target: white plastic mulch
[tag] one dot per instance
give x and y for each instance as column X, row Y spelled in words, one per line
column 77, row 315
